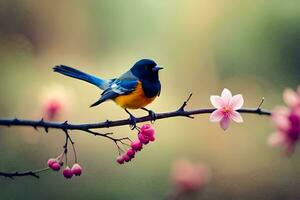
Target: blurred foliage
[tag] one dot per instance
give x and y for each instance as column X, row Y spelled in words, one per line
column 249, row 46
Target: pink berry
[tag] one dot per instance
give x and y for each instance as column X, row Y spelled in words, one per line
column 130, row 153
column 76, row 169
column 120, row 160
column 67, row 172
column 55, row 166
column 147, row 130
column 143, row 138
column 126, row 157
column 152, row 138
column 51, row 161
column 136, row 145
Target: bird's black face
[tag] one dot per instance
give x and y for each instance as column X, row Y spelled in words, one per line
column 146, row 69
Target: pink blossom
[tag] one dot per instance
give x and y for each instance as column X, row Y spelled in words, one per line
column 188, row 176
column 56, row 102
column 287, row 122
column 292, row 98
column 67, row 173
column 77, row 169
column 52, row 109
column 226, row 105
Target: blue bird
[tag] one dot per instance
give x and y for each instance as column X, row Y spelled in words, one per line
column 135, row 89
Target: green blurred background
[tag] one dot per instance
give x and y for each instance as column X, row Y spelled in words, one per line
column 249, row 46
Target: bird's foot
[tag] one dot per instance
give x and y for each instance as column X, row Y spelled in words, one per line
column 132, row 120
column 152, row 114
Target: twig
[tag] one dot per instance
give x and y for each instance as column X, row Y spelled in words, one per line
column 25, row 173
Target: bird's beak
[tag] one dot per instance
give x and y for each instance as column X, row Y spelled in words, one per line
column 157, row 68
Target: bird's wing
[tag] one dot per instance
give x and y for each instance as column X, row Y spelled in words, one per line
column 117, row 87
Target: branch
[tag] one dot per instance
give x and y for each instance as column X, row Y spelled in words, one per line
column 181, row 112
column 107, row 124
column 25, row 173
column 88, row 128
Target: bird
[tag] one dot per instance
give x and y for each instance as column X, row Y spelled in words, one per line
column 134, row 89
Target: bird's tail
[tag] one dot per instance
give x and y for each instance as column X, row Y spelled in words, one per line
column 69, row 71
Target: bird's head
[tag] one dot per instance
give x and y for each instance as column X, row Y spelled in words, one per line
column 146, row 69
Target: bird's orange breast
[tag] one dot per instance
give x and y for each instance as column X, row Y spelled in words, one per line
column 134, row 100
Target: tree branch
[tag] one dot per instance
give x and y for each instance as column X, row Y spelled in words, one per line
column 181, row 112
column 89, row 127
column 25, row 173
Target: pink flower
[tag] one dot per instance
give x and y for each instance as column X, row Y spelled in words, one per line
column 67, row 173
column 188, row 176
column 52, row 109
column 76, row 169
column 56, row 102
column 287, row 122
column 226, row 105
column 292, row 98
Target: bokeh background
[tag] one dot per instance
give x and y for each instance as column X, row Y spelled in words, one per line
column 249, row 46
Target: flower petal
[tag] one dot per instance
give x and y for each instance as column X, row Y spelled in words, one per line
column 280, row 118
column 235, row 116
column 290, row 97
column 275, row 140
column 216, row 101
column 236, row 102
column 224, row 123
column 281, row 110
column 226, row 96
column 216, row 116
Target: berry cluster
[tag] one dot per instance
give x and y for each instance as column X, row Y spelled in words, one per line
column 56, row 163
column 146, row 134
